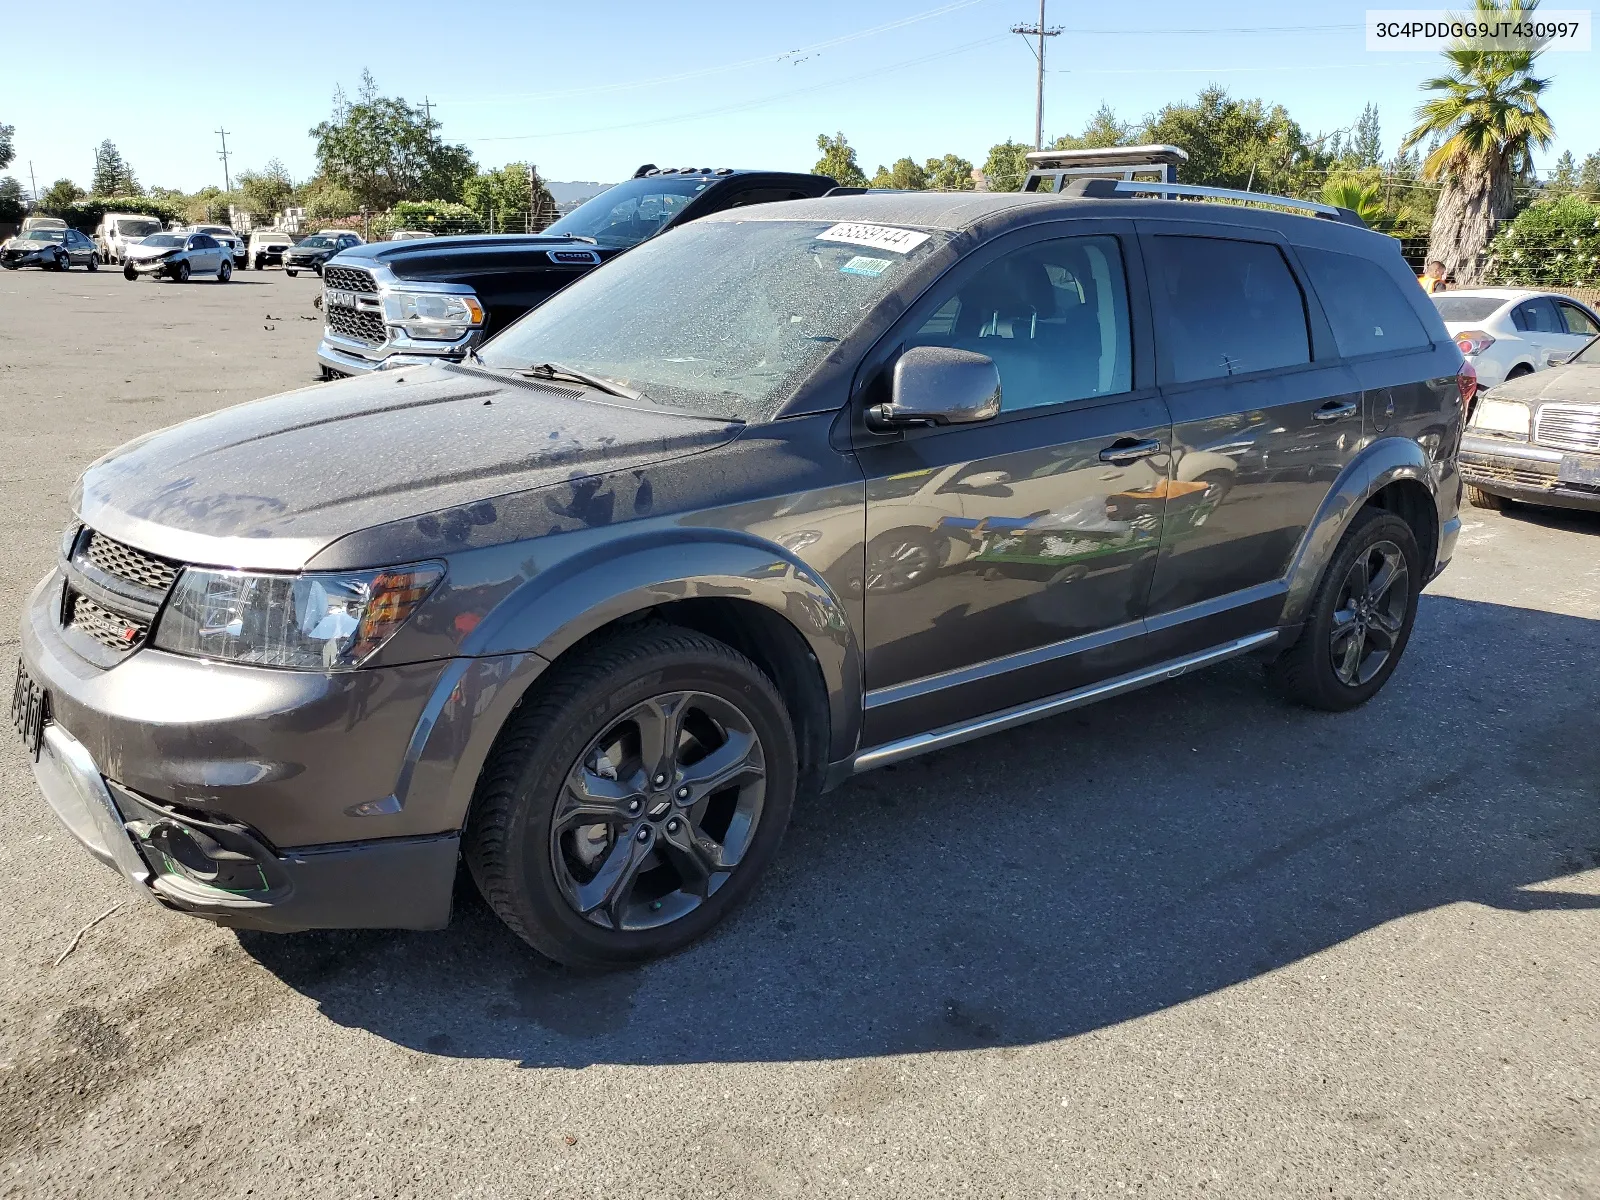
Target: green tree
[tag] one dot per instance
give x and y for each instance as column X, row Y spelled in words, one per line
column 324, row 199
column 1103, row 130
column 112, row 175
column 506, row 197
column 12, row 205
column 1550, row 243
column 60, row 196
column 1238, row 144
column 951, row 173
column 905, row 175
column 839, row 161
column 1365, row 147
column 1362, row 197
column 381, row 150
column 1488, row 119
column 1007, row 166
column 8, row 145
column 1563, row 180
column 1589, row 177
column 266, row 192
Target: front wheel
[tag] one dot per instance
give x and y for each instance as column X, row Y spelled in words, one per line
column 181, row 272
column 94, row 262
column 1479, row 498
column 633, row 802
column 291, row 274
column 129, row 273
column 225, row 271
column 1360, row 619
column 63, row 263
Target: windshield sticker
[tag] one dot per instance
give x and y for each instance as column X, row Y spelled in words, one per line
column 878, row 237
column 860, row 265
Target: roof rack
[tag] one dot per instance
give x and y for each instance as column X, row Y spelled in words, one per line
column 1108, row 162
column 1109, row 188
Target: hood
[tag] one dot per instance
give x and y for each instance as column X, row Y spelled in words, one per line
column 30, row 245
column 139, row 250
column 268, row 484
column 1573, row 383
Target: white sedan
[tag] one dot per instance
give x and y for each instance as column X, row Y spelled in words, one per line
column 1510, row 332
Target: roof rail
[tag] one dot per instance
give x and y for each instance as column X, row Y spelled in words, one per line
column 1107, row 162
column 1109, row 188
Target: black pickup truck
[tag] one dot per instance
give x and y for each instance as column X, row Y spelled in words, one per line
column 395, row 304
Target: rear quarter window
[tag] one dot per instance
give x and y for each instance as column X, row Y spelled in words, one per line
column 1365, row 306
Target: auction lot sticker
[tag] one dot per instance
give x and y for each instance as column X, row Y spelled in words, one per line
column 879, row 237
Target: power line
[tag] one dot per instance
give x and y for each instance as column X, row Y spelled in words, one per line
column 1039, row 31
column 227, row 180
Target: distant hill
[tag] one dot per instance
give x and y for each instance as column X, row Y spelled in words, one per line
column 566, row 194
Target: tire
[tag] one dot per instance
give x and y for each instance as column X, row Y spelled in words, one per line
column 1316, row 673
column 1479, row 498
column 63, row 263
column 318, row 270
column 1518, row 371
column 94, row 262
column 129, row 273
column 181, row 272
column 538, row 875
column 225, row 271
column 901, row 559
column 291, row 274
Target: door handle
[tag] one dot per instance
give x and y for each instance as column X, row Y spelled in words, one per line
column 1127, row 450
column 1333, row 410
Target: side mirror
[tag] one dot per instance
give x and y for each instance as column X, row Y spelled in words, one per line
column 936, row 385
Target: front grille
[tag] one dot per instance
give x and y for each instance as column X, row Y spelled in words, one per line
column 351, row 279
column 1474, row 472
column 1569, row 427
column 125, row 562
column 352, row 323
column 121, row 634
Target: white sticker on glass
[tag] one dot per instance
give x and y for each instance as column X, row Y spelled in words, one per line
column 879, row 237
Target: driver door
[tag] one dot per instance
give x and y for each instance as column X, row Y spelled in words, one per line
column 1012, row 559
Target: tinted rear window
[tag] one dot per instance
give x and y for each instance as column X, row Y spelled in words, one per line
column 1365, row 306
column 1467, row 308
column 1230, row 308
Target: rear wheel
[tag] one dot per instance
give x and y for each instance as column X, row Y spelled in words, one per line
column 1360, row 619
column 633, row 803
column 1479, row 498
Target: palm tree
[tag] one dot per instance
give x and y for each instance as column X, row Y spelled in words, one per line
column 1361, row 199
column 1488, row 121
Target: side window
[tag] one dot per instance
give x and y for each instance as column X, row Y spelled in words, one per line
column 1575, row 320
column 1052, row 316
column 1227, row 308
column 1368, row 312
column 1537, row 316
column 765, row 195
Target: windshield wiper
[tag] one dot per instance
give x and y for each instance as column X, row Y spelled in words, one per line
column 556, row 371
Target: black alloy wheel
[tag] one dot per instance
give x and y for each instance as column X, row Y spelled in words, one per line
column 634, row 798
column 94, row 262
column 1360, row 619
column 63, row 261
column 181, row 272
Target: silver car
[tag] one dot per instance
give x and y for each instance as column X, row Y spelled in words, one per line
column 178, row 256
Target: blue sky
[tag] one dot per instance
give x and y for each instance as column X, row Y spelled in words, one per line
column 707, row 83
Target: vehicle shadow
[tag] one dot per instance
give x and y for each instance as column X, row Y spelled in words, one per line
column 1062, row 877
column 1573, row 520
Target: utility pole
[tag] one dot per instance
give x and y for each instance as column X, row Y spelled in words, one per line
column 427, row 110
column 227, row 181
column 1041, row 32
column 533, row 174
column 34, row 184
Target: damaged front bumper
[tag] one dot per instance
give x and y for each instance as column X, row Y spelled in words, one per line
column 1530, row 473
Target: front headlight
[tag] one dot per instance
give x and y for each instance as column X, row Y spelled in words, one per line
column 1502, row 416
column 433, row 316
column 308, row 622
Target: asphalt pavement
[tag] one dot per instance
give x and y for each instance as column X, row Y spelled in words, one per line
column 1189, row 942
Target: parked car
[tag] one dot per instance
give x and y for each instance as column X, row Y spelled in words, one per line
column 29, row 224
column 588, row 611
column 396, row 305
column 53, row 249
column 1536, row 439
column 1507, row 333
column 267, row 246
column 236, row 245
column 117, row 231
column 178, row 256
column 311, row 253
column 409, row 235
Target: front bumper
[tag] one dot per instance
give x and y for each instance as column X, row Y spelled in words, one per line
column 341, row 797
column 347, row 356
column 36, row 258
column 1526, row 472
column 298, row 264
column 148, row 266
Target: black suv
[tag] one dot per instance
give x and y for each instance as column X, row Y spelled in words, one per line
column 782, row 496
column 396, row 304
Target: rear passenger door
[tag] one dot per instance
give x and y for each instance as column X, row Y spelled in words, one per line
column 1264, row 420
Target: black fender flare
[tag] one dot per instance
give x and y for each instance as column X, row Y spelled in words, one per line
column 553, row 610
column 1381, row 463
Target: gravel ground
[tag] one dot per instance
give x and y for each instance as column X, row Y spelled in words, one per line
column 1188, row 942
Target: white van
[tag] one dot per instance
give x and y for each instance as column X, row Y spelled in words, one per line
column 118, row 231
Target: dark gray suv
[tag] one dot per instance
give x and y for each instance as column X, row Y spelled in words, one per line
column 781, row 496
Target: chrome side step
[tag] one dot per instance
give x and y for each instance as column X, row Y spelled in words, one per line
column 1035, row 710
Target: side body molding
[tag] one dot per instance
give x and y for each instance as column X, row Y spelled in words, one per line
column 1381, row 463
column 554, row 608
